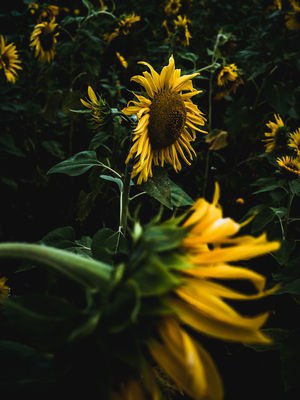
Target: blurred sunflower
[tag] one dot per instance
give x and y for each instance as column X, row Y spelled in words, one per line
column 4, row 289
column 100, row 111
column 182, row 29
column 290, row 164
column 164, row 117
column 123, row 28
column 48, row 14
column 207, row 246
column 277, row 138
column 44, row 39
column 9, row 60
column 294, row 141
column 292, row 19
column 172, row 7
column 227, row 73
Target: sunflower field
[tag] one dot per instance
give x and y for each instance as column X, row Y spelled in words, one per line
column 150, row 183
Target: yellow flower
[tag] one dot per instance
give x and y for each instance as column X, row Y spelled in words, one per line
column 76, row 11
column 294, row 141
column 181, row 26
column 123, row 27
column 99, row 108
column 4, row 289
column 201, row 302
column 9, row 60
column 122, row 60
column 164, row 117
column 172, row 7
column 130, row 390
column 277, row 137
column 292, row 19
column 228, row 73
column 44, row 40
column 33, row 7
column 290, row 164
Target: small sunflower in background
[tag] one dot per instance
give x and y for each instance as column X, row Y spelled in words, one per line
column 4, row 289
column 9, row 60
column 277, row 138
column 33, row 7
column 43, row 38
column 227, row 73
column 172, row 7
column 100, row 111
column 124, row 25
column 291, row 164
column 294, row 141
column 165, row 117
column 48, row 14
column 292, row 19
column 182, row 30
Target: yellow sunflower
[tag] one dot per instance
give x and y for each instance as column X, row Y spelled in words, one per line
column 292, row 19
column 4, row 289
column 123, row 27
column 99, row 108
column 201, row 303
column 172, row 7
column 294, row 141
column 164, row 117
column 227, row 73
column 291, row 164
column 182, row 28
column 44, row 39
column 9, row 60
column 277, row 137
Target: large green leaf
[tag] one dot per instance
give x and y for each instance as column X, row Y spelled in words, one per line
column 77, row 164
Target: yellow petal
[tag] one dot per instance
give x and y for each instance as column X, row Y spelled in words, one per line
column 92, row 95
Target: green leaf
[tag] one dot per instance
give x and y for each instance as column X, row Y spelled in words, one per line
column 159, row 187
column 263, row 218
column 77, row 164
column 118, row 181
column 7, row 144
column 295, row 186
column 91, row 274
column 61, row 238
column 53, row 147
column 286, row 247
column 179, row 197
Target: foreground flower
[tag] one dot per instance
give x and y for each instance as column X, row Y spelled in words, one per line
column 43, row 38
column 9, row 60
column 227, row 73
column 164, row 117
column 277, row 137
column 182, row 28
column 290, row 164
column 200, row 301
column 292, row 19
column 4, row 289
column 294, row 141
column 100, row 111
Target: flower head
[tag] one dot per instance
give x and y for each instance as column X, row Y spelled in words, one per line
column 227, row 73
column 123, row 28
column 172, row 7
column 182, row 29
column 9, row 60
column 43, row 38
column 277, row 138
column 294, row 141
column 292, row 19
column 291, row 164
column 100, row 111
column 165, row 117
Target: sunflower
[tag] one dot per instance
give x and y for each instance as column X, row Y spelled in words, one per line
column 277, row 138
column 100, row 111
column 291, row 164
column 201, row 303
column 172, row 7
column 182, row 28
column 294, row 141
column 9, row 60
column 228, row 73
column 123, row 28
column 292, row 19
column 4, row 289
column 44, row 40
column 164, row 117
column 48, row 14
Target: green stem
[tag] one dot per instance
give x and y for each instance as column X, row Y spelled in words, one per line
column 289, row 205
column 124, row 198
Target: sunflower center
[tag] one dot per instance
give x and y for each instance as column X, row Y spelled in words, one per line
column 4, row 61
column 46, row 40
column 167, row 119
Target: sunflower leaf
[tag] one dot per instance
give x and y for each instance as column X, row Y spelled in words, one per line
column 77, row 164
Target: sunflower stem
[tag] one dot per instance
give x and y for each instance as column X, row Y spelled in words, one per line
column 124, row 198
column 289, row 205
